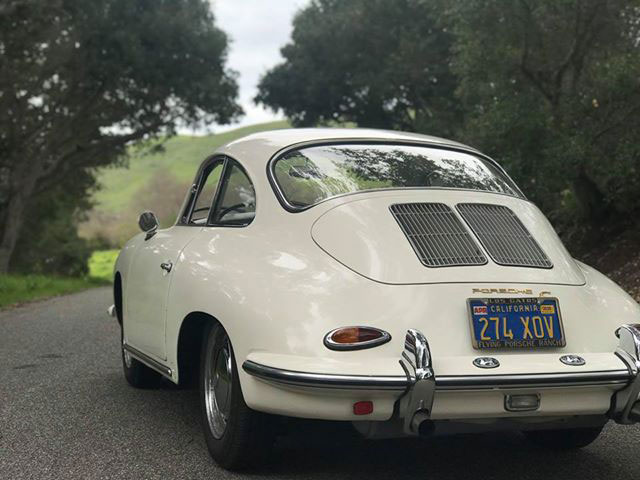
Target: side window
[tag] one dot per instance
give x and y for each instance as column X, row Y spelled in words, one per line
column 237, row 203
column 207, row 191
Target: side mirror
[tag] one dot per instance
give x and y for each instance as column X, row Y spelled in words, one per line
column 148, row 223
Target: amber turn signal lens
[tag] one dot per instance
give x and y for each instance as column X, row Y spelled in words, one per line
column 354, row 338
column 355, row 335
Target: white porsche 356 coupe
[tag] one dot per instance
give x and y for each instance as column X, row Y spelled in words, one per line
column 396, row 281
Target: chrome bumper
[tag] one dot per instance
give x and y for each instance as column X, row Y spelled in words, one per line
column 416, row 360
column 420, row 382
column 321, row 380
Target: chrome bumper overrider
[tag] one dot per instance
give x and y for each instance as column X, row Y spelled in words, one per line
column 416, row 361
column 626, row 404
column 420, row 381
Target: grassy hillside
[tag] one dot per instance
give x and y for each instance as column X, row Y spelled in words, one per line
column 181, row 157
column 155, row 181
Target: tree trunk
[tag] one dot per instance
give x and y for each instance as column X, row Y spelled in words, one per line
column 591, row 199
column 14, row 218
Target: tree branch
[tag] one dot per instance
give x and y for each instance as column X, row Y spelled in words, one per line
column 529, row 74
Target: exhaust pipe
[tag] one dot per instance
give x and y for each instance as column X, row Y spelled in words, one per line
column 426, row 428
column 634, row 413
column 421, row 424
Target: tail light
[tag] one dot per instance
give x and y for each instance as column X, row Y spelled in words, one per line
column 355, row 338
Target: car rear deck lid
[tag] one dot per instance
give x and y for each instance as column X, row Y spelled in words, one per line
column 365, row 235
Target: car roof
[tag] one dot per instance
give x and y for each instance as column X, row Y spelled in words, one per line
column 261, row 146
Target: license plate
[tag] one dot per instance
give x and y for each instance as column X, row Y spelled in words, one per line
column 516, row 323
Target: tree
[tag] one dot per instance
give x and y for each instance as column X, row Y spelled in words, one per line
column 373, row 62
column 80, row 79
column 551, row 88
column 49, row 241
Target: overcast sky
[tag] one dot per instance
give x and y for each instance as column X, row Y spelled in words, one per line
column 257, row 30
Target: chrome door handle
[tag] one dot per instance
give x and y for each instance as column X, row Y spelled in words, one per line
column 166, row 266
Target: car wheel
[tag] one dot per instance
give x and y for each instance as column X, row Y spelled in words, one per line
column 237, row 437
column 564, row 439
column 138, row 375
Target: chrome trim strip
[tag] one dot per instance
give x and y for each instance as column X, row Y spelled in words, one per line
column 542, row 380
column 148, row 361
column 443, row 383
column 324, row 380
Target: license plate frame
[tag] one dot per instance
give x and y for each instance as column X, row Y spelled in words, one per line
column 518, row 344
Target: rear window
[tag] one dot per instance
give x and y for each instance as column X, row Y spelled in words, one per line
column 310, row 175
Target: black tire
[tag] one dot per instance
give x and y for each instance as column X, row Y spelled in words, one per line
column 566, row 439
column 138, row 375
column 246, row 438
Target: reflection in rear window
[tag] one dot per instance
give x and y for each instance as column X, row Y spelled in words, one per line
column 309, row 175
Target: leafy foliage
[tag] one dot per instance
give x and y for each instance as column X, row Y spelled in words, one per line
column 49, row 243
column 80, row 79
column 550, row 88
column 101, row 264
column 373, row 62
column 556, row 97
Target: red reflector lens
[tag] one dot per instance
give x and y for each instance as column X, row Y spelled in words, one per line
column 362, row 408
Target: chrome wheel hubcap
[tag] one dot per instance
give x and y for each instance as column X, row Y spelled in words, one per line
column 217, row 385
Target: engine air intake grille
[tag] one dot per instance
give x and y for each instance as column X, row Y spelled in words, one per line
column 503, row 235
column 437, row 235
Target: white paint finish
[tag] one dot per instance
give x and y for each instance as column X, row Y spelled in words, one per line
column 553, row 402
column 277, row 293
column 372, row 243
column 259, row 147
column 317, row 403
column 147, row 287
column 448, row 405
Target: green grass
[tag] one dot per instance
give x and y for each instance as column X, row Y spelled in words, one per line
column 101, row 264
column 181, row 157
column 16, row 289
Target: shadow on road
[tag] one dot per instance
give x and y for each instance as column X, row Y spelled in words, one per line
column 334, row 450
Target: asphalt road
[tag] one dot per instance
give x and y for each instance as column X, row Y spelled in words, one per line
column 66, row 412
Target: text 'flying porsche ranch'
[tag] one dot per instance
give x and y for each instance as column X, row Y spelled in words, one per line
column 396, row 281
